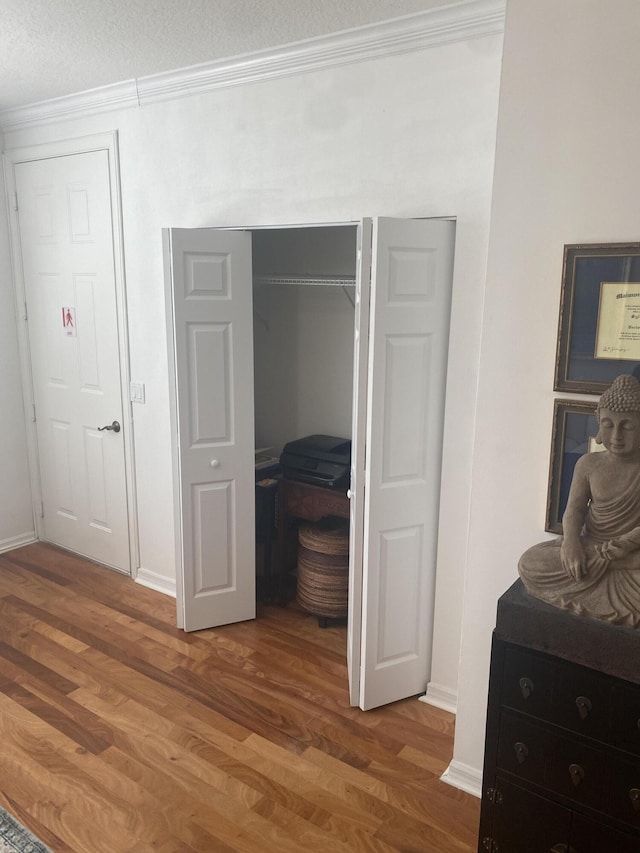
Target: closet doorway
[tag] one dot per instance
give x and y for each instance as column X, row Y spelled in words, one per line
column 354, row 320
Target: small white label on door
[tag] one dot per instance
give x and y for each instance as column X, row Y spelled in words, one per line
column 69, row 322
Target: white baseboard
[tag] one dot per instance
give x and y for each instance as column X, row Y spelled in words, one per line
column 161, row 583
column 17, row 541
column 466, row 778
column 441, row 697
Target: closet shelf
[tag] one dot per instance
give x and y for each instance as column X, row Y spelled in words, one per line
column 343, row 281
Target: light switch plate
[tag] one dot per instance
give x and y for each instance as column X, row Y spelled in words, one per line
column 136, row 392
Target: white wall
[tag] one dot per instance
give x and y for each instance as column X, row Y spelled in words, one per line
column 303, row 362
column 16, row 515
column 566, row 172
column 408, row 135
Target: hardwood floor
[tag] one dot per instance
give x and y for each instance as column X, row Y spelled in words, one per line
column 121, row 734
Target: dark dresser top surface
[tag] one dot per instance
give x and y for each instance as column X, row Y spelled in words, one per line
column 526, row 621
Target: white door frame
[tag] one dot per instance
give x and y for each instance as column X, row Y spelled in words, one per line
column 65, row 147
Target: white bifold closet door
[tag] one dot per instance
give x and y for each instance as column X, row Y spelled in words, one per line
column 210, row 340
column 403, row 295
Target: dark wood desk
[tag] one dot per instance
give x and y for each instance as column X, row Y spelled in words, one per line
column 310, row 503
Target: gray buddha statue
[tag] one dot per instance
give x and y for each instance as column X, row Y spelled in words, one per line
column 594, row 568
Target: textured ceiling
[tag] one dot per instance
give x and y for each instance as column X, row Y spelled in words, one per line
column 50, row 48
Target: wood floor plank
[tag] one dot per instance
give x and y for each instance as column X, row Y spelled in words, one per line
column 62, row 799
column 43, row 832
column 430, row 806
column 121, row 734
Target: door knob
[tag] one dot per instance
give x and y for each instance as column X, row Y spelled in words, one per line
column 115, row 427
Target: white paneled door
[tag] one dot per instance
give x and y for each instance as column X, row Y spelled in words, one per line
column 67, row 256
column 211, row 350
column 411, row 279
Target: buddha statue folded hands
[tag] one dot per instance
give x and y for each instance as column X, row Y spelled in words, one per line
column 594, row 568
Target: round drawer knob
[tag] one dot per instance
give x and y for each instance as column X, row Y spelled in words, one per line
column 214, row 463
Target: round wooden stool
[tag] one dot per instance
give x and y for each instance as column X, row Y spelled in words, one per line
column 323, row 569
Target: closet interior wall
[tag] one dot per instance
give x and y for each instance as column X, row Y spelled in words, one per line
column 303, row 313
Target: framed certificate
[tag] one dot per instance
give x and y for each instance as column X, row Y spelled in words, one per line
column 599, row 325
column 575, row 427
column 618, row 329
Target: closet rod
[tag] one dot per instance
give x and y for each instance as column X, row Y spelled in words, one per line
column 344, row 281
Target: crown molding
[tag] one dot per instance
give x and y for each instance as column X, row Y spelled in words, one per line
column 106, row 98
column 432, row 28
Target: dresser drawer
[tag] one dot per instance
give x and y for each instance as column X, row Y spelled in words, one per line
column 582, row 702
column 589, row 836
column 524, row 749
column 570, row 696
column 625, row 718
column 528, row 683
column 579, row 772
column 525, row 822
column 536, row 753
column 624, row 792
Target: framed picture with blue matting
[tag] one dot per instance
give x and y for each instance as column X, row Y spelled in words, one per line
column 575, row 427
column 599, row 324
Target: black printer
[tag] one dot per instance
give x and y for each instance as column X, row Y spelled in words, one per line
column 322, row 460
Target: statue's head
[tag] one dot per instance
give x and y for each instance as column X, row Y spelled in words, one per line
column 618, row 414
column 623, row 395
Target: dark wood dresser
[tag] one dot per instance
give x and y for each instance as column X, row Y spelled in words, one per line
column 562, row 750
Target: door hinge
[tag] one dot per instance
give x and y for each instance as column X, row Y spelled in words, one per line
column 15, row 200
column 26, row 312
column 494, row 796
column 33, row 417
column 41, row 509
column 489, row 845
